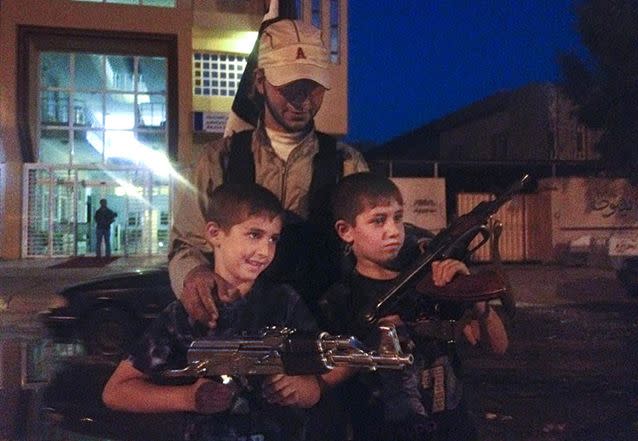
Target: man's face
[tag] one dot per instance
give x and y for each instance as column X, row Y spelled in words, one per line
column 291, row 107
column 376, row 237
column 244, row 251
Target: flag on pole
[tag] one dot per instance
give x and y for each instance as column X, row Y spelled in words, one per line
column 245, row 109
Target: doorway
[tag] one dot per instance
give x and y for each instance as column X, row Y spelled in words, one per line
column 61, row 203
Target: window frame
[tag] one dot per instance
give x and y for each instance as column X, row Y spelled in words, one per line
column 202, row 78
column 316, row 11
column 334, row 30
column 32, row 40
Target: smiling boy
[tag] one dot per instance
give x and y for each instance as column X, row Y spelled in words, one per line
column 243, row 225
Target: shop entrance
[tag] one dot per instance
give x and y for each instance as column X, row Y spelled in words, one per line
column 61, row 203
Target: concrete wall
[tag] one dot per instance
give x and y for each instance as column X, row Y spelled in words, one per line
column 424, row 202
column 591, row 221
column 587, row 212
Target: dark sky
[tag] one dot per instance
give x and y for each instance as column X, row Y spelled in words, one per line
column 413, row 61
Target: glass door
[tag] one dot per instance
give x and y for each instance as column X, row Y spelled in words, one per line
column 61, row 205
column 94, row 185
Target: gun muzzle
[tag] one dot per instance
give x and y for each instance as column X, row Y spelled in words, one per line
column 372, row 362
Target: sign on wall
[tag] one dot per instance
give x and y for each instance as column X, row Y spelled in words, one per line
column 597, row 203
column 424, row 202
column 212, row 122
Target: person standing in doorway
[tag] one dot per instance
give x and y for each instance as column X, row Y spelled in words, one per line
column 104, row 217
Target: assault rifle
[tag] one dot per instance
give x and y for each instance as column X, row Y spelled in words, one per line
column 452, row 242
column 285, row 351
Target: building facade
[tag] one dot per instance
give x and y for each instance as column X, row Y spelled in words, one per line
column 532, row 123
column 484, row 147
column 99, row 101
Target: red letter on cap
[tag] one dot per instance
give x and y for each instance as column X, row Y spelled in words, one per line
column 300, row 54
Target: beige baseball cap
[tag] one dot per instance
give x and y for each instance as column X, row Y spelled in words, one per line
column 291, row 50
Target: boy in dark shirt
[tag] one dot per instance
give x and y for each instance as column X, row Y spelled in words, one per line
column 243, row 226
column 423, row 401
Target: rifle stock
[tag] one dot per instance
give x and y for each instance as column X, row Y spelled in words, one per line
column 480, row 287
column 452, row 242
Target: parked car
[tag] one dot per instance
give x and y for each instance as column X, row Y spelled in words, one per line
column 104, row 314
column 109, row 313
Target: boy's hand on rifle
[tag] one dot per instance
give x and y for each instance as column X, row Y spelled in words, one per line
column 299, row 390
column 443, row 271
column 487, row 325
column 212, row 397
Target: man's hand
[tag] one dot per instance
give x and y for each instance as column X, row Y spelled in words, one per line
column 197, row 297
column 212, row 397
column 443, row 271
column 299, row 390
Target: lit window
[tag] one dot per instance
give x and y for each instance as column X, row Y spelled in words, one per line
column 159, row 3
column 217, row 74
column 102, row 109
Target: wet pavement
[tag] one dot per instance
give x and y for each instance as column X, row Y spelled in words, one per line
column 570, row 374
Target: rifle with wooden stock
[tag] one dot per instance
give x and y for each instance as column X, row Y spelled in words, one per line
column 452, row 242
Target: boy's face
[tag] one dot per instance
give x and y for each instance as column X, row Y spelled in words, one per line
column 245, row 250
column 376, row 236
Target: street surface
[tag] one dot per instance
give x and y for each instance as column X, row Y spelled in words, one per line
column 570, row 374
